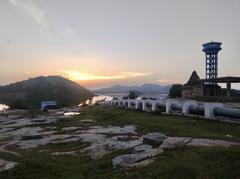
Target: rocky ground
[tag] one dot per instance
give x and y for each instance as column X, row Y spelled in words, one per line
column 24, row 130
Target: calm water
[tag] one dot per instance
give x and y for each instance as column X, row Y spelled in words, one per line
column 3, row 107
column 146, row 95
column 112, row 95
column 108, row 96
column 96, row 99
column 71, row 113
column 154, row 95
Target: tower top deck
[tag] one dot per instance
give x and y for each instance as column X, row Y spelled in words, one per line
column 212, row 47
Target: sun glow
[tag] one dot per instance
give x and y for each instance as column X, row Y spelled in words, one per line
column 79, row 76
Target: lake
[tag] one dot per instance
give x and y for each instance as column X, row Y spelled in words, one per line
column 110, row 96
column 145, row 94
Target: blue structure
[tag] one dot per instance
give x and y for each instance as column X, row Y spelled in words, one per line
column 48, row 105
column 211, row 50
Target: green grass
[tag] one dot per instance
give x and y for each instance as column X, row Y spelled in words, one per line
column 180, row 163
column 170, row 125
column 186, row 162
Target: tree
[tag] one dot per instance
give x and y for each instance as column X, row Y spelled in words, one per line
column 175, row 91
column 132, row 95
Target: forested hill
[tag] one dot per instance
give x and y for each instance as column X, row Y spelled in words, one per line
column 29, row 93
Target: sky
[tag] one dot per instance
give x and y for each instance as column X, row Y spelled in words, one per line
column 100, row 43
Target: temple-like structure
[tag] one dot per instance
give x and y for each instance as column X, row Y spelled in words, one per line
column 196, row 87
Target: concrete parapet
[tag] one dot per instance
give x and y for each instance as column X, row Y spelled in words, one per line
column 125, row 103
column 159, row 103
column 189, row 107
column 119, row 103
column 115, row 102
column 169, row 103
column 130, row 102
column 147, row 105
column 187, row 104
column 209, row 109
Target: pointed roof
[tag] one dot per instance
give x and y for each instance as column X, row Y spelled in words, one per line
column 194, row 79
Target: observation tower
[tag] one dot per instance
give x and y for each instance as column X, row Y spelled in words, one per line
column 211, row 50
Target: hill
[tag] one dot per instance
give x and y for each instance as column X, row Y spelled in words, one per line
column 155, row 88
column 29, row 93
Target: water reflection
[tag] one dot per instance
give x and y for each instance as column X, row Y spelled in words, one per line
column 71, row 113
column 96, row 100
column 3, row 107
column 147, row 95
column 109, row 96
column 101, row 98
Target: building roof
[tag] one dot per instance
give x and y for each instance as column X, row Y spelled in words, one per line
column 194, row 79
column 224, row 79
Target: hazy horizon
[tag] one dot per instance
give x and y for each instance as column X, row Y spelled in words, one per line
column 103, row 43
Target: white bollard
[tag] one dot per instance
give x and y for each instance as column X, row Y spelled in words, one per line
column 154, row 105
column 129, row 103
column 119, row 103
column 137, row 104
column 169, row 102
column 125, row 103
column 122, row 103
column 144, row 107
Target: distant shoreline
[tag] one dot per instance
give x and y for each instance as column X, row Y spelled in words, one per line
column 144, row 94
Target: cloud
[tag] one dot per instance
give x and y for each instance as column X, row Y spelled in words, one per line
column 54, row 25
column 78, row 76
column 169, row 81
column 27, row 72
column 31, row 9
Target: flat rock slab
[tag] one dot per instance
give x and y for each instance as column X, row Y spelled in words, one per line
column 87, row 120
column 31, row 137
column 135, row 160
column 70, row 128
column 155, row 139
column 6, row 165
column 112, row 130
column 96, row 150
column 175, row 142
column 103, row 140
column 29, row 144
column 51, row 127
column 212, row 143
column 102, row 145
column 73, row 153
column 141, row 148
